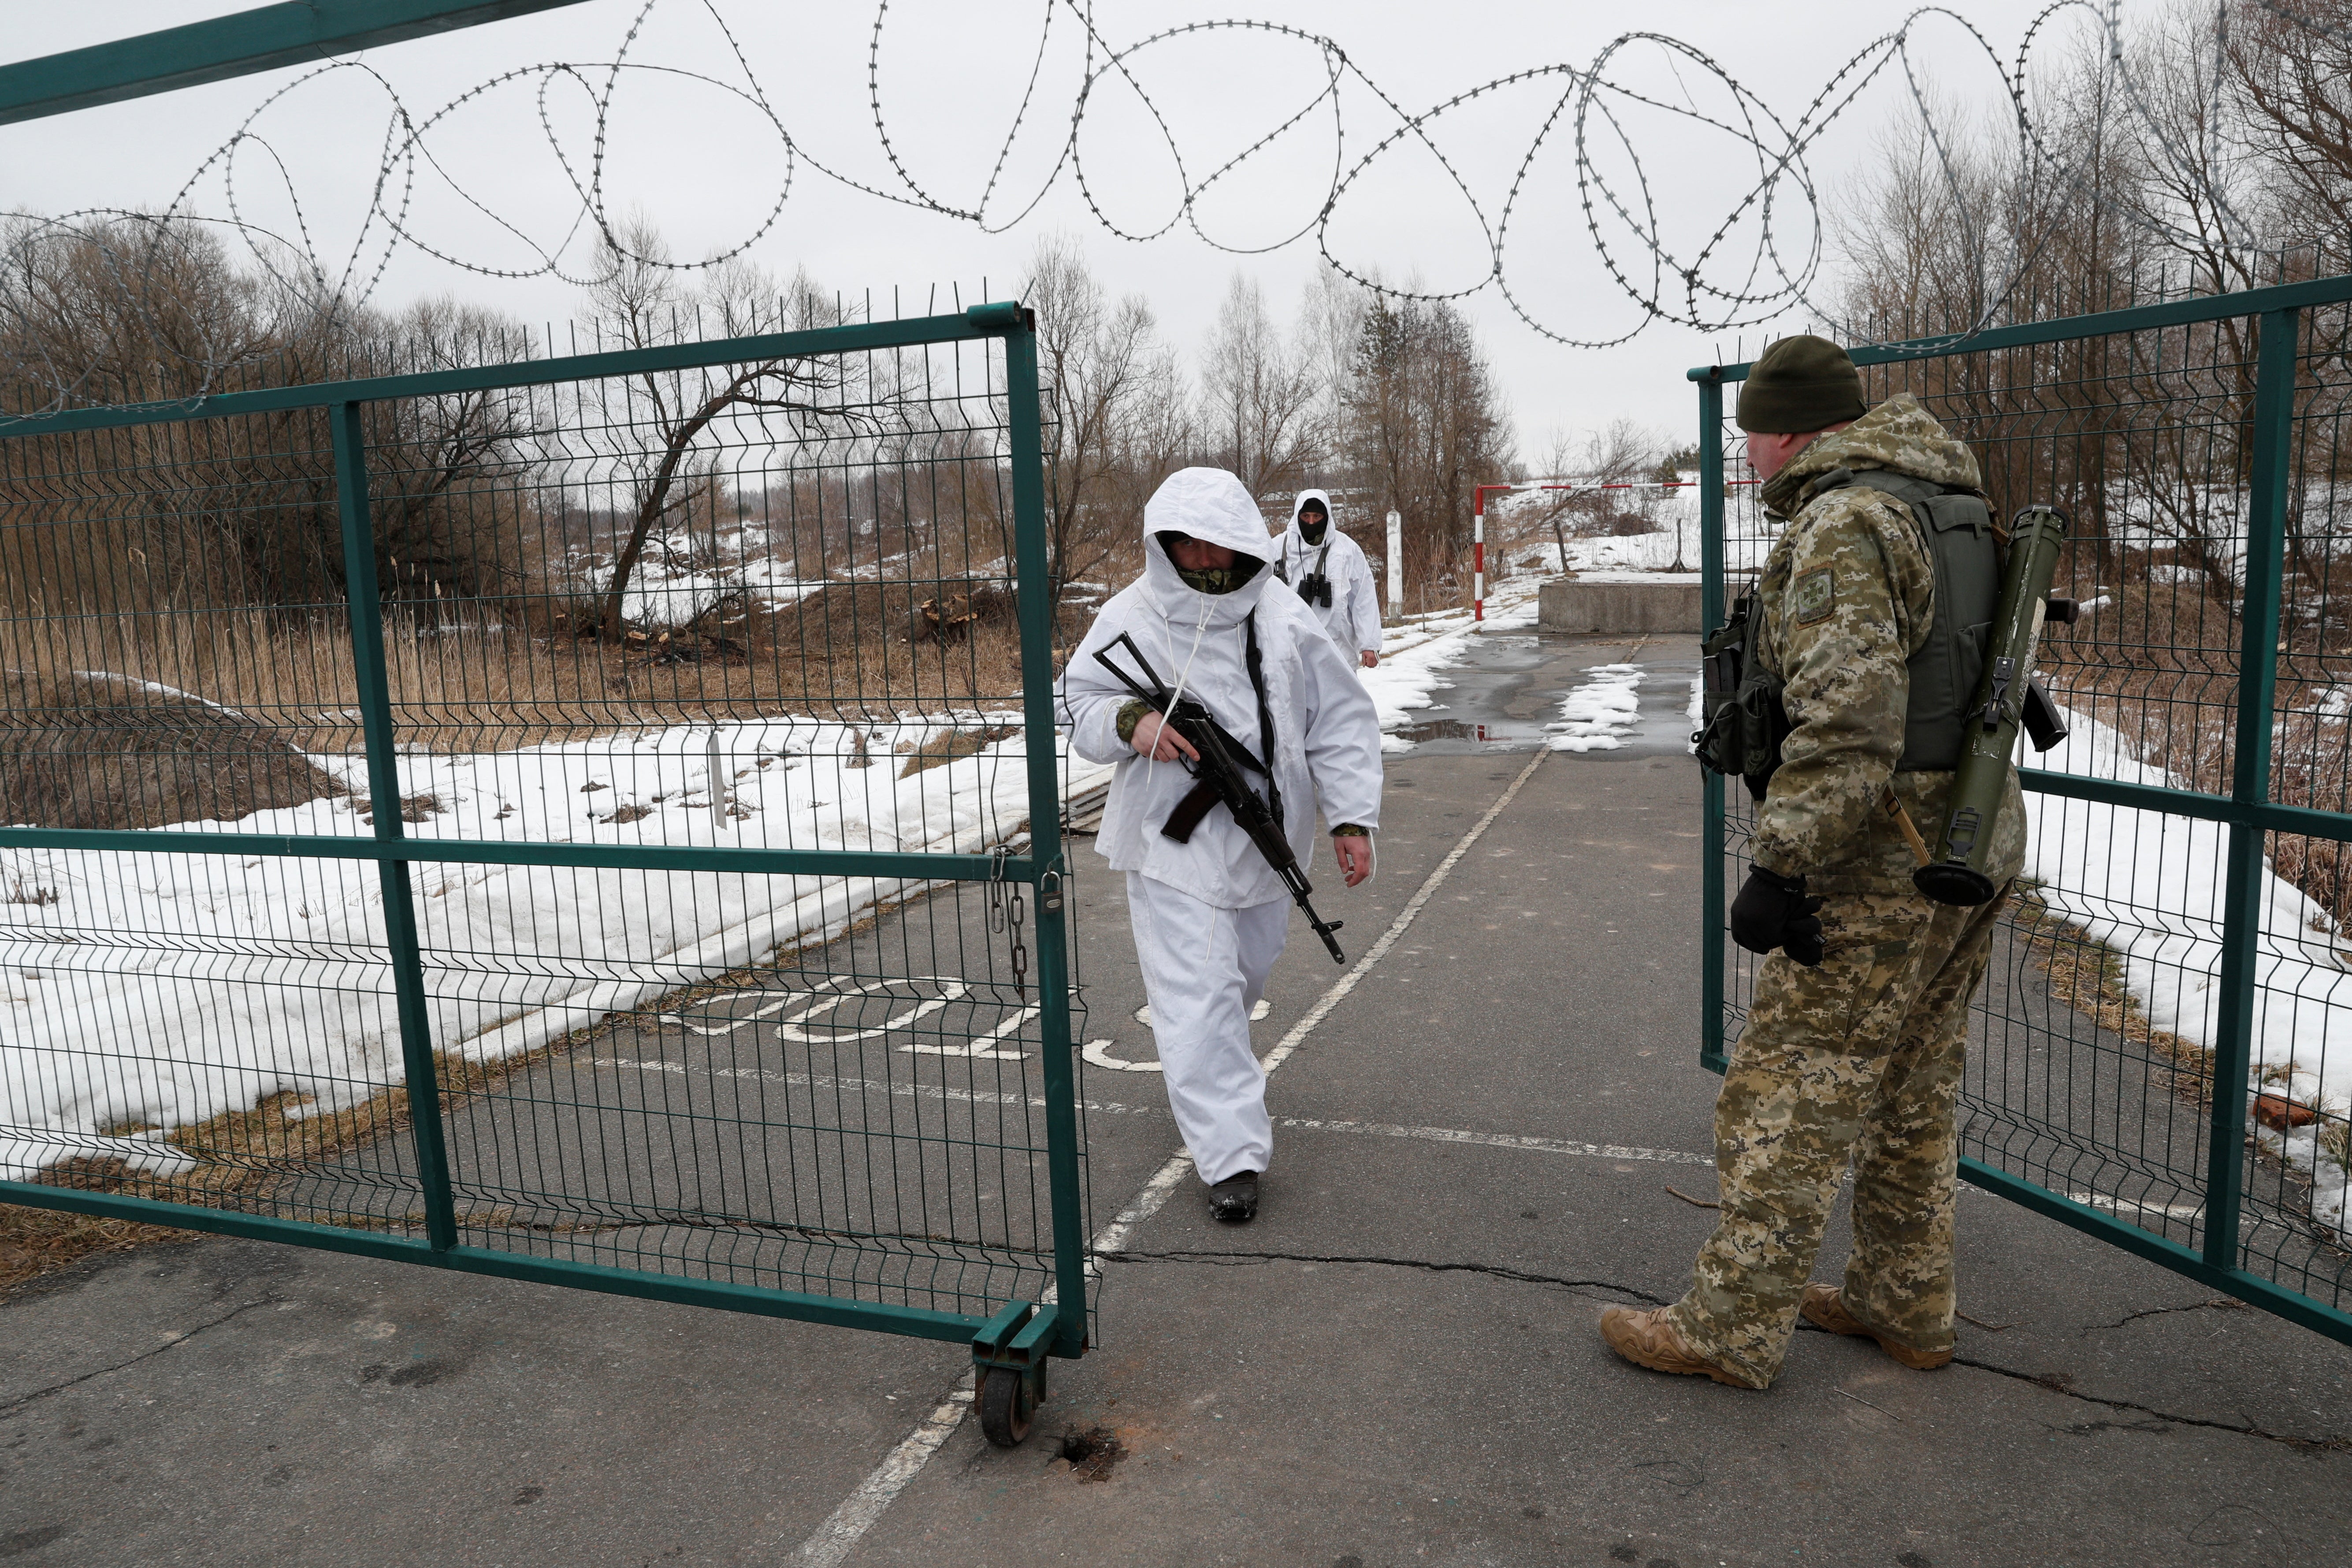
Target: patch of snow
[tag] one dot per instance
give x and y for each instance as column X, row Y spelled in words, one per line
column 1598, row 714
column 2151, row 887
column 2335, row 705
column 256, row 976
column 1416, row 651
column 158, row 687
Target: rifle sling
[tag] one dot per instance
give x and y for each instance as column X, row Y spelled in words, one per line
column 1196, row 803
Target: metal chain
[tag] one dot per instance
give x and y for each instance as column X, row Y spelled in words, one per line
column 1008, row 912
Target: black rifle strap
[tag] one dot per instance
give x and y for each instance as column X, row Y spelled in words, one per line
column 1282, row 568
column 1255, row 664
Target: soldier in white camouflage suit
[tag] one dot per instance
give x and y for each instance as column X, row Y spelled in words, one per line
column 1854, row 1046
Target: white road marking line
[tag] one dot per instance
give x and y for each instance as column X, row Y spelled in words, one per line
column 905, row 1091
column 858, row 1511
column 841, row 1531
column 1099, row 1053
column 982, row 1050
column 1501, row 1141
column 1115, row 1108
column 786, row 1000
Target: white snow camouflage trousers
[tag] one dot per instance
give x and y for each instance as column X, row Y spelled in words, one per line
column 1203, row 969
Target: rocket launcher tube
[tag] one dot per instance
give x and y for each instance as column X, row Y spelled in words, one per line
column 1956, row 875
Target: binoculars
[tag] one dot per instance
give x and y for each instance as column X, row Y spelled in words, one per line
column 1316, row 589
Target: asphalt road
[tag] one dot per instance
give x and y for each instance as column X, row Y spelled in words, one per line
column 1396, row 1364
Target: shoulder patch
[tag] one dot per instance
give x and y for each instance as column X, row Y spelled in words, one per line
column 1813, row 596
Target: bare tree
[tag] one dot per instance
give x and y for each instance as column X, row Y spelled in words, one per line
column 141, row 310
column 1117, row 397
column 2290, row 74
column 637, row 298
column 1258, row 394
column 1425, row 423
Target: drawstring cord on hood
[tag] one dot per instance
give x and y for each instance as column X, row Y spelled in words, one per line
column 1185, row 674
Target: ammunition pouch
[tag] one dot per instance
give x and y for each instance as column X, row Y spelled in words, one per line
column 1742, row 721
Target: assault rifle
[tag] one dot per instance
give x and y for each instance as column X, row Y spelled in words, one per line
column 1219, row 778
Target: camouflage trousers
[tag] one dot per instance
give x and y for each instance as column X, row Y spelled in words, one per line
column 1857, row 1060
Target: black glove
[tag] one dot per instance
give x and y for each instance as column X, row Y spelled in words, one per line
column 1773, row 912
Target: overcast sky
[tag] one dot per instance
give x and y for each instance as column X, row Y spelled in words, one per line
column 706, row 165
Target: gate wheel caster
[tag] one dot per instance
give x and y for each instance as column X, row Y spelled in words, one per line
column 1007, row 1408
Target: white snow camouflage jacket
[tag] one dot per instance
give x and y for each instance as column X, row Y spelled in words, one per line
column 1353, row 618
column 1327, row 745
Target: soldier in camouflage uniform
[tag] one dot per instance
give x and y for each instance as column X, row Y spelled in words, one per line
column 1854, row 1046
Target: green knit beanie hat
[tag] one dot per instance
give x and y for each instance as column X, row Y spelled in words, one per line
column 1797, row 385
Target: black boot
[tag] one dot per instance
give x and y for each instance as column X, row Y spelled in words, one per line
column 1235, row 1199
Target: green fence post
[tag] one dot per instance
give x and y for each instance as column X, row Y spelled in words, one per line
column 2250, row 780
column 1034, row 583
column 1710, row 598
column 383, row 794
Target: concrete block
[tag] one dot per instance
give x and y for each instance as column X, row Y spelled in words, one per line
column 1656, row 607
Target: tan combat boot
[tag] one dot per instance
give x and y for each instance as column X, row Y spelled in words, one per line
column 1647, row 1338
column 1823, row 1305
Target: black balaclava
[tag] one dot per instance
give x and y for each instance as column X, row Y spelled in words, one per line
column 1312, row 522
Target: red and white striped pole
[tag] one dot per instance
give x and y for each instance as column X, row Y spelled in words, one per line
column 1478, row 548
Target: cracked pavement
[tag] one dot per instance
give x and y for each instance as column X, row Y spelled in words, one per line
column 1396, row 1364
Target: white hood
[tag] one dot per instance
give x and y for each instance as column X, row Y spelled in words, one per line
column 1212, row 505
column 1299, row 504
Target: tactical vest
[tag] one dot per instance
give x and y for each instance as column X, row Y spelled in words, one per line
column 1746, row 723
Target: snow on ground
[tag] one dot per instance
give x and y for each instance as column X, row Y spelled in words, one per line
column 249, row 977
column 1613, row 558
column 1637, row 557
column 1598, row 715
column 2151, row 887
column 1415, row 653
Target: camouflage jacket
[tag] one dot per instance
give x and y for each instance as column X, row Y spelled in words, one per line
column 1848, row 594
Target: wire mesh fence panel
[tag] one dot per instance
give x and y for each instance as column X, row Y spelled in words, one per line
column 2162, row 1050
column 646, row 754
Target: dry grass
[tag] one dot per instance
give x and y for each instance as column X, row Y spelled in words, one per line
column 848, row 652
column 33, row 1242
column 2087, row 976
column 953, row 745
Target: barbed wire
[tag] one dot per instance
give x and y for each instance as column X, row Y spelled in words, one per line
column 1761, row 261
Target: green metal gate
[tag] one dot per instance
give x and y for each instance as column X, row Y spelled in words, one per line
column 714, row 947
column 2161, row 1056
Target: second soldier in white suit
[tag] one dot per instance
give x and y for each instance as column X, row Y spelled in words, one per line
column 1210, row 915
column 1327, row 570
